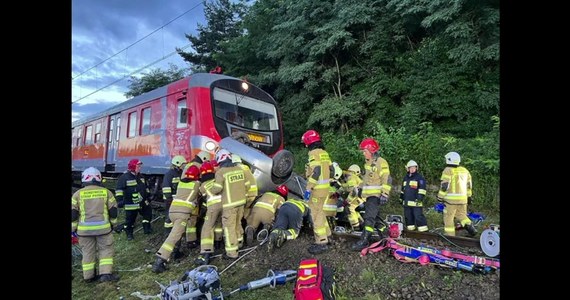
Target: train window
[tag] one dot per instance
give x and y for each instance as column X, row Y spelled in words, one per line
column 79, row 131
column 132, row 126
column 118, row 133
column 182, row 114
column 245, row 111
column 97, row 133
column 145, row 126
column 111, row 127
column 88, row 135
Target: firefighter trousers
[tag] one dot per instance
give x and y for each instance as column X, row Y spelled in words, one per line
column 211, row 229
column 179, row 221
column 229, row 221
column 93, row 247
column 415, row 217
column 260, row 215
column 452, row 212
column 321, row 228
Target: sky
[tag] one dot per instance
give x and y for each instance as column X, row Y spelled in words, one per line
column 103, row 33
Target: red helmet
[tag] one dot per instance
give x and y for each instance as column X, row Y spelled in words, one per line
column 192, row 172
column 369, row 144
column 207, row 167
column 283, row 190
column 133, row 164
column 310, row 137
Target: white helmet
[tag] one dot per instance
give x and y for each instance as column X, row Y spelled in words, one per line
column 222, row 155
column 355, row 169
column 203, row 155
column 452, row 158
column 91, row 174
column 236, row 159
column 411, row 163
column 337, row 170
column 178, row 160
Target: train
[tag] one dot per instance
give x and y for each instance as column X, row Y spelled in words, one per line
column 203, row 111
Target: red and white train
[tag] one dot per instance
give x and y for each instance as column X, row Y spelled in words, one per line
column 182, row 118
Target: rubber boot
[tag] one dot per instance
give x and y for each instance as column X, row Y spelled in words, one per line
column 108, row 277
column 129, row 232
column 363, row 242
column 146, row 228
column 332, row 222
column 159, row 265
column 471, row 229
column 249, row 232
column 318, row 248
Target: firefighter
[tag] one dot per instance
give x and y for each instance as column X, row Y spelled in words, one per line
column 317, row 172
column 455, row 192
column 353, row 180
column 132, row 194
column 412, row 196
column 200, row 158
column 253, row 190
column 331, row 207
column 232, row 184
column 169, row 185
column 290, row 218
column 376, row 188
column 183, row 204
column 212, row 227
column 251, row 194
column 200, row 210
column 263, row 211
column 93, row 214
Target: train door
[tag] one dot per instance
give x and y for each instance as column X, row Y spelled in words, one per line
column 178, row 125
column 113, row 141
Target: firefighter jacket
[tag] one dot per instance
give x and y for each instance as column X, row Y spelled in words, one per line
column 232, row 184
column 351, row 186
column 196, row 161
column 455, row 185
column 413, row 190
column 252, row 191
column 270, row 201
column 186, row 198
column 206, row 190
column 377, row 179
column 131, row 190
column 93, row 211
column 317, row 172
column 170, row 183
column 302, row 207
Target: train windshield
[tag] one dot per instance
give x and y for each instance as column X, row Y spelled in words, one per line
column 245, row 111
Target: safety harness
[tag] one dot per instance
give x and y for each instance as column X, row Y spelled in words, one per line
column 428, row 255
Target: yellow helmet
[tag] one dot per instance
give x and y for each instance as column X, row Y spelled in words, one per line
column 411, row 163
column 355, row 169
column 452, row 158
column 178, row 160
column 203, row 155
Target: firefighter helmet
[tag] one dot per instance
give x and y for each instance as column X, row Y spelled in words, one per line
column 133, row 163
column 283, row 190
column 178, row 160
column 207, row 167
column 310, row 137
column 192, row 172
column 369, row 144
column 203, row 155
column 222, row 155
column 337, row 171
column 355, row 169
column 411, row 163
column 452, row 158
column 91, row 174
column 236, row 159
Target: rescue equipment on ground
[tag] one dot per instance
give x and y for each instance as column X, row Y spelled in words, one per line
column 314, row 281
column 490, row 240
column 395, row 225
column 272, row 279
column 475, row 217
column 195, row 284
column 427, row 255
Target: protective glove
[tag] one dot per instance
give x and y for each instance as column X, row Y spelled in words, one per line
column 469, row 200
column 307, row 195
column 383, row 199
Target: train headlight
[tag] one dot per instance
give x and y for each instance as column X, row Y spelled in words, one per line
column 244, row 86
column 210, row 146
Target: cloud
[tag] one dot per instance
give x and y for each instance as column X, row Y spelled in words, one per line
column 103, row 28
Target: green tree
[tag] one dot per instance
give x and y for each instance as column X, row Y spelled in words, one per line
column 154, row 79
column 223, row 24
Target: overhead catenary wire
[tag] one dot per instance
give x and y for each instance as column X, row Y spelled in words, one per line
column 139, row 40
